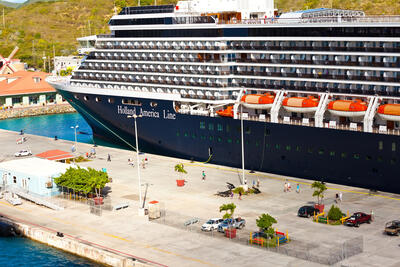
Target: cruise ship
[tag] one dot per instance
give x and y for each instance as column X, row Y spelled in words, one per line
column 315, row 94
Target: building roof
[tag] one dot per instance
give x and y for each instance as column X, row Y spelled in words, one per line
column 24, row 83
column 55, row 155
column 35, row 167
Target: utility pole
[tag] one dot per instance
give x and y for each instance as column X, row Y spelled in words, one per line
column 4, row 20
column 54, row 59
column 44, row 62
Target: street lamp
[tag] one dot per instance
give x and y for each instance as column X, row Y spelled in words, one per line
column 242, row 137
column 141, row 208
column 75, row 127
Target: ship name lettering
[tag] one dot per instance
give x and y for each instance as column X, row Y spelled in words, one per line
column 169, row 116
column 150, row 114
column 126, row 111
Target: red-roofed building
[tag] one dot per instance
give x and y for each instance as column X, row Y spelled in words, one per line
column 57, row 155
column 26, row 88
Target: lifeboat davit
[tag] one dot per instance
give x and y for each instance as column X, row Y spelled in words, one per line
column 228, row 112
column 258, row 101
column 389, row 112
column 300, row 104
column 348, row 108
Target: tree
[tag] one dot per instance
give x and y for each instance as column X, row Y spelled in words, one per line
column 264, row 222
column 83, row 180
column 229, row 210
column 319, row 189
column 180, row 169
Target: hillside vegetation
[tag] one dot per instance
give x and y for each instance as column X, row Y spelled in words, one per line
column 36, row 27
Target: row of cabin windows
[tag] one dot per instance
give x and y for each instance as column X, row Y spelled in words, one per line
column 220, row 127
column 124, row 101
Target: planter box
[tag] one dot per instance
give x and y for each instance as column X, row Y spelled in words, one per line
column 230, row 233
column 98, row 200
column 320, row 207
column 180, row 183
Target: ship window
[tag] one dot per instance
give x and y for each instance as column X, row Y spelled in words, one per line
column 229, row 141
column 202, row 125
column 248, row 130
column 368, row 157
column 277, row 146
column 14, row 179
column 228, row 128
column 247, row 142
column 344, row 154
column 321, row 151
column 194, row 136
column 380, row 144
column 177, row 134
column 76, row 96
column 86, row 98
column 298, row 148
column 219, row 139
column 98, row 99
column 288, row 148
column 257, row 143
column 309, row 150
column 111, row 100
column 393, row 146
column 186, row 134
column 393, row 161
column 237, row 141
column 203, row 137
column 219, row 127
column 332, row 153
column 267, row 132
column 131, row 102
column 380, row 159
column 356, row 156
column 211, row 127
column 211, row 138
column 153, row 104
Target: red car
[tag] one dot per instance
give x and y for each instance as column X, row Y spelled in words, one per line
column 358, row 218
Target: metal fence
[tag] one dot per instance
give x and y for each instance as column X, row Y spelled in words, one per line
column 323, row 253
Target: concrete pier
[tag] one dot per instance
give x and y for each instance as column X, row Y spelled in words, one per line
column 167, row 242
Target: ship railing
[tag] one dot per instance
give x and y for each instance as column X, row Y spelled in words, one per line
column 317, row 20
column 58, row 79
column 387, row 131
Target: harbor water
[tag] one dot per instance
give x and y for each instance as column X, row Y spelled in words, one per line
column 18, row 251
column 52, row 125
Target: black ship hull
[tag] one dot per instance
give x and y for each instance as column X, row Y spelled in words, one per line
column 337, row 156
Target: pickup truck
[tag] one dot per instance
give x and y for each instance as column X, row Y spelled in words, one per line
column 237, row 223
column 358, row 218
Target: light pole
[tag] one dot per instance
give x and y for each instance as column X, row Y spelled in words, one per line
column 75, row 127
column 141, row 209
column 242, row 136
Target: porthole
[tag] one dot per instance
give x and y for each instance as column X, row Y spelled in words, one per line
column 98, row 99
column 86, row 98
column 111, row 100
column 76, row 96
column 153, row 104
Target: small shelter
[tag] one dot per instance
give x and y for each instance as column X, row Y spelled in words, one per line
column 33, row 175
column 56, row 155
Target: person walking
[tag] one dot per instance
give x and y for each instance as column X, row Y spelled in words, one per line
column 231, row 194
column 258, row 182
column 298, row 188
column 254, row 183
column 288, row 187
column 240, row 195
column 203, row 175
column 108, row 157
column 340, row 197
column 285, row 187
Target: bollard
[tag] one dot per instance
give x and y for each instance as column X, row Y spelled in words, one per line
column 287, row 235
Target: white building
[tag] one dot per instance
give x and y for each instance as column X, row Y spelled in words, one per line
column 33, row 175
column 62, row 63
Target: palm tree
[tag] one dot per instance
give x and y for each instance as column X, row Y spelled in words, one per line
column 180, row 169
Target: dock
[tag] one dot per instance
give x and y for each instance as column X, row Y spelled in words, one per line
column 169, row 242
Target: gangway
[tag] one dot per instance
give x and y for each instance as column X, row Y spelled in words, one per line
column 35, row 198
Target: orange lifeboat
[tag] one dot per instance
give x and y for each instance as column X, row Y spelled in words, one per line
column 300, row 104
column 258, row 101
column 389, row 112
column 348, row 108
column 228, row 112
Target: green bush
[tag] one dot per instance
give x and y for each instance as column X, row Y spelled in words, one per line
column 334, row 213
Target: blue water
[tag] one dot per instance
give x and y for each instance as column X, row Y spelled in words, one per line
column 18, row 251
column 52, row 125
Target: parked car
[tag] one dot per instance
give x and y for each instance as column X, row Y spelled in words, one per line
column 307, row 211
column 211, row 224
column 393, row 227
column 358, row 218
column 237, row 223
column 22, row 153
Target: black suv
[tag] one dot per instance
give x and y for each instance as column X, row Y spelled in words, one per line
column 307, row 211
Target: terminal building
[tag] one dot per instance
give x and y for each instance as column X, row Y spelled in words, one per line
column 25, row 88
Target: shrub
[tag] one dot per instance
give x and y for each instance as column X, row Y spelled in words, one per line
column 334, row 213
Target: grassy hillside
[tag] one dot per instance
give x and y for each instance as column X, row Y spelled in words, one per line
column 8, row 4
column 38, row 26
